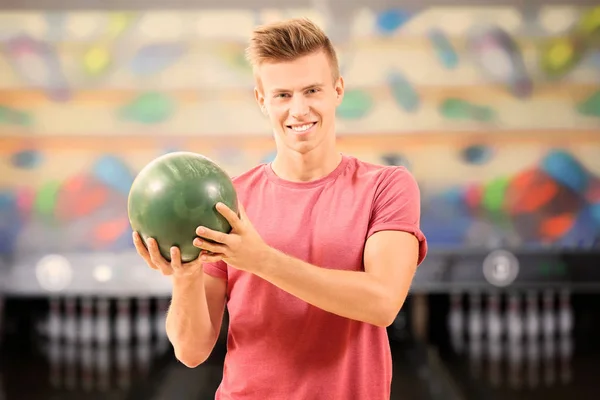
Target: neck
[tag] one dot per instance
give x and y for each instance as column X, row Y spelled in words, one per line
column 305, row 167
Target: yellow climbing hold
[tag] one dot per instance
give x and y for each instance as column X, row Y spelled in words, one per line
column 96, row 60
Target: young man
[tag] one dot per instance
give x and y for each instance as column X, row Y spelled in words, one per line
column 321, row 258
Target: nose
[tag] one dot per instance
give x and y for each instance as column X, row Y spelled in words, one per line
column 299, row 107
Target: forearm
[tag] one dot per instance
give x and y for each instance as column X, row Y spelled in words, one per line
column 188, row 324
column 355, row 295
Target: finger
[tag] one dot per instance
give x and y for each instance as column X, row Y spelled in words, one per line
column 208, row 246
column 155, row 255
column 142, row 250
column 242, row 211
column 230, row 216
column 211, row 258
column 219, row 237
column 175, row 257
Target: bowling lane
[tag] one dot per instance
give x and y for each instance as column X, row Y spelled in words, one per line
column 531, row 345
column 53, row 349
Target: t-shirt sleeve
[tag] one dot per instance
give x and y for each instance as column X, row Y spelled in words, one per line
column 217, row 270
column 397, row 206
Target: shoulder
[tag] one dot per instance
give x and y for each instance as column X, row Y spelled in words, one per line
column 249, row 176
column 381, row 176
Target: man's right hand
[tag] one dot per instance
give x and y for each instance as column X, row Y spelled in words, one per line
column 156, row 261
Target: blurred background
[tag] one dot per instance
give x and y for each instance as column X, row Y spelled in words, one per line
column 493, row 105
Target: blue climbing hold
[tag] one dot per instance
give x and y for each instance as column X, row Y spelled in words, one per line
column 390, row 20
column 566, row 169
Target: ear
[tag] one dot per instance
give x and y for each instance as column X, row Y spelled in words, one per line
column 260, row 100
column 339, row 89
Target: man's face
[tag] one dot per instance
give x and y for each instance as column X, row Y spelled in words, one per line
column 300, row 99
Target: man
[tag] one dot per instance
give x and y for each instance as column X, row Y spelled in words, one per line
column 321, row 258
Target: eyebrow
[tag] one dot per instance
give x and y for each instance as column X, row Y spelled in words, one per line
column 314, row 85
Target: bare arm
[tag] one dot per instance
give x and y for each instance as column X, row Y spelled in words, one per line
column 195, row 317
column 374, row 296
column 196, row 313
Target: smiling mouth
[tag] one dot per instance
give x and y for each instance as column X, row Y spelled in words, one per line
column 301, row 128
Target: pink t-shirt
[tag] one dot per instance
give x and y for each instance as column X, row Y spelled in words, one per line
column 282, row 348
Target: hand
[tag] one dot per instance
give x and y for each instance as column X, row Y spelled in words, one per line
column 242, row 248
column 156, row 261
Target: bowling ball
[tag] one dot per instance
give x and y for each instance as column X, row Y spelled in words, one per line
column 173, row 195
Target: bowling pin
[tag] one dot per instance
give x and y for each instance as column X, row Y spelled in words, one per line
column 494, row 319
column 143, row 329
column 565, row 314
column 70, row 320
column 548, row 316
column 456, row 322
column 532, row 316
column 514, row 319
column 475, row 333
column 86, row 323
column 123, row 322
column 54, row 322
column 475, row 317
column 102, row 321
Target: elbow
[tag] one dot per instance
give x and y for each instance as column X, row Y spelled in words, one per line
column 191, row 359
column 387, row 312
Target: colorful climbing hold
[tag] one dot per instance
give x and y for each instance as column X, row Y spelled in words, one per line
column 148, row 108
column 403, row 92
column 463, row 110
column 560, row 55
column 97, row 60
column 390, row 20
column 565, row 169
column 494, row 194
column 157, row 57
column 590, row 107
column 477, row 154
column 45, row 199
column 444, row 50
column 26, row 159
column 113, row 172
column 356, row 104
column 11, row 116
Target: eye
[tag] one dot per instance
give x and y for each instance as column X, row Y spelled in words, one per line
column 281, row 95
column 312, row 91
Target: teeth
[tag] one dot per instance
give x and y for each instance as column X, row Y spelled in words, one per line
column 302, row 128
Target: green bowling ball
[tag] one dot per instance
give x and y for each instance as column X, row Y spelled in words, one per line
column 176, row 193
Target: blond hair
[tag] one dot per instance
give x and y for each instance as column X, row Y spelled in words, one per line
column 289, row 40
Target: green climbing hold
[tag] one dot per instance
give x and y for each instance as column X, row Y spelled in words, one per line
column 148, row 108
column 463, row 110
column 356, row 104
column 493, row 195
column 10, row 116
column 45, row 199
column 590, row 107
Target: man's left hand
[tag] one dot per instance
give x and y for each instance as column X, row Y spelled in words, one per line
column 242, row 248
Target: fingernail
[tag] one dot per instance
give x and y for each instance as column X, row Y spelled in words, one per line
column 200, row 230
column 197, row 242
